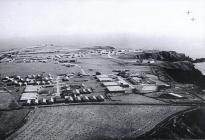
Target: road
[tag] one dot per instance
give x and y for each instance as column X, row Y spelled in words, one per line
column 82, row 70
column 57, row 86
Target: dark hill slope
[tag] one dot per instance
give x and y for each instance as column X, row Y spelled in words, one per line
column 184, row 72
column 170, row 56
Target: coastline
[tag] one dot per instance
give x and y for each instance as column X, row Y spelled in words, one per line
column 200, row 66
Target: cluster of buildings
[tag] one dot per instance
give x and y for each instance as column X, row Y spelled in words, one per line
column 38, row 79
column 131, row 83
column 114, row 84
column 71, row 90
column 78, row 93
column 145, row 83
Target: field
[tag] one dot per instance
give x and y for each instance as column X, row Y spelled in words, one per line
column 24, row 69
column 135, row 98
column 92, row 122
column 6, row 100
column 106, row 65
column 11, row 120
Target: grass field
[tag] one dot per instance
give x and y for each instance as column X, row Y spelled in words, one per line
column 136, row 98
column 24, row 69
column 6, row 100
column 10, row 117
column 106, row 65
column 92, row 122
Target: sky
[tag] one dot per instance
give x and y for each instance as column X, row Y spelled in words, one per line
column 151, row 23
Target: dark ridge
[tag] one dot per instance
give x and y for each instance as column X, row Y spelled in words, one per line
column 170, row 56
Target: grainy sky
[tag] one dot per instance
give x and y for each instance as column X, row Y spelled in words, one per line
column 148, row 18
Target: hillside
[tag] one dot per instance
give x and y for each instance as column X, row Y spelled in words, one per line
column 184, row 72
column 170, row 56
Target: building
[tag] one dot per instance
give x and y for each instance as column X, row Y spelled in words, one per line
column 135, row 80
column 171, row 96
column 146, row 88
column 105, row 79
column 122, row 82
column 31, row 88
column 115, row 89
column 29, row 96
column 110, row 84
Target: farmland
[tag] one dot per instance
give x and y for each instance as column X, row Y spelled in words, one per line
column 92, row 122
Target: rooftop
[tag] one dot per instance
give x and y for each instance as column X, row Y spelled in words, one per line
column 104, row 76
column 149, row 88
column 31, row 88
column 176, row 95
column 29, row 96
column 104, row 79
column 115, row 88
column 110, row 83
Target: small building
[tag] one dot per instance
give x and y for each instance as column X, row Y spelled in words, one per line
column 105, row 79
column 77, row 91
column 85, row 99
column 43, row 101
column 77, row 99
column 59, row 100
column 93, row 99
column 50, row 101
column 89, row 90
column 115, row 89
column 28, row 102
column 100, row 98
column 135, row 80
column 36, row 102
column 69, row 99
